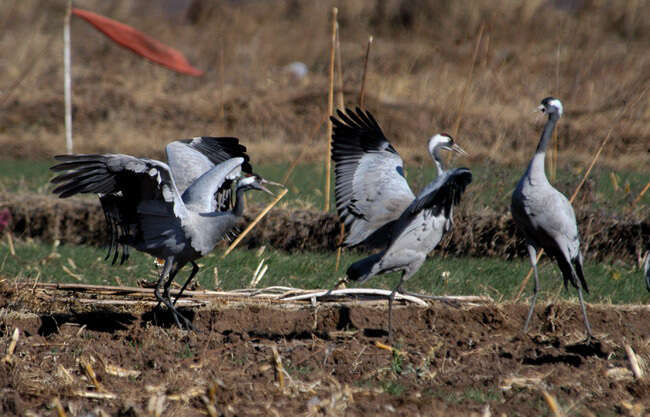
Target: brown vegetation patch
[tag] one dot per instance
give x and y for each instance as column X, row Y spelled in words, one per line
column 491, row 234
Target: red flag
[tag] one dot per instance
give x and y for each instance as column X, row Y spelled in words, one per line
column 139, row 43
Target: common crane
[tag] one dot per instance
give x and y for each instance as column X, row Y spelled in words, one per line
column 546, row 217
column 177, row 212
column 377, row 206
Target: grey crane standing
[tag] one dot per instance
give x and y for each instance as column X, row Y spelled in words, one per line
column 546, row 217
column 177, row 212
column 377, row 206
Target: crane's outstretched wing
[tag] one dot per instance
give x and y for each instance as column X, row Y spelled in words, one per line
column 191, row 158
column 443, row 193
column 370, row 187
column 139, row 197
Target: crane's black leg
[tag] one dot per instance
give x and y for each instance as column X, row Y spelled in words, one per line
column 165, row 272
column 584, row 314
column 533, row 260
column 165, row 298
column 195, row 269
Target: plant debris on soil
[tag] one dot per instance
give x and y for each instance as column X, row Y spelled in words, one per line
column 265, row 358
column 81, row 221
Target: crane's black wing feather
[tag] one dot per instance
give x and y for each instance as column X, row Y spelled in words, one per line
column 370, row 188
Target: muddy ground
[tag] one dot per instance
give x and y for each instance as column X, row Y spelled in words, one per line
column 265, row 358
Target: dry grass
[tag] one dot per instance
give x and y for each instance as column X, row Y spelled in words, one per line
column 419, row 64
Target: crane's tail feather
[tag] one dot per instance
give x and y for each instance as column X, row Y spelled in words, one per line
column 363, row 270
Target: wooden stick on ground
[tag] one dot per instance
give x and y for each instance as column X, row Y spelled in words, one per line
column 552, row 404
column 362, row 92
column 12, row 346
column 330, row 110
column 253, row 223
column 634, row 364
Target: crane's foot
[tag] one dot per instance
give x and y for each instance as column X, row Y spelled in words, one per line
column 178, row 317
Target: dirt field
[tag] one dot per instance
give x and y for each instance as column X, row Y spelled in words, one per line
column 453, row 360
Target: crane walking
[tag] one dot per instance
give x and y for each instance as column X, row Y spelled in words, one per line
column 547, row 219
column 177, row 212
column 377, row 206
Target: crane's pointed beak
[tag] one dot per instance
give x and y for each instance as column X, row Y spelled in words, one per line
column 456, row 148
column 539, row 108
column 277, row 184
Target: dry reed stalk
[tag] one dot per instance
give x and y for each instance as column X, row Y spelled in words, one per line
column 210, row 408
column 10, row 241
column 339, row 69
column 222, row 71
column 468, row 82
column 298, row 158
column 12, row 346
column 556, row 145
column 634, row 363
column 340, row 249
column 330, row 111
column 552, row 404
column 636, row 200
column 59, row 407
column 389, row 348
column 67, row 82
column 90, row 373
column 362, row 91
column 253, row 223
column 279, row 369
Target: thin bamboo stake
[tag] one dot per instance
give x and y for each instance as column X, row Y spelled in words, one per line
column 362, row 92
column 339, row 69
column 330, row 111
column 253, row 223
column 67, row 79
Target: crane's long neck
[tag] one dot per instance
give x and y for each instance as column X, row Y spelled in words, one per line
column 438, row 160
column 238, row 210
column 536, row 167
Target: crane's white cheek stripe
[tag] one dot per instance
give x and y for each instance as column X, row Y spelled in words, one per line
column 557, row 103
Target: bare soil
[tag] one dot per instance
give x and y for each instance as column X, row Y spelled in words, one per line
column 452, row 360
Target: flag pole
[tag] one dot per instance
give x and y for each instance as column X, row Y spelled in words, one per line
column 67, row 79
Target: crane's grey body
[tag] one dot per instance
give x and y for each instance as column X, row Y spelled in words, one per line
column 378, row 207
column 546, row 217
column 146, row 209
